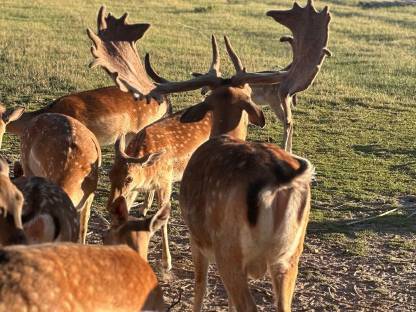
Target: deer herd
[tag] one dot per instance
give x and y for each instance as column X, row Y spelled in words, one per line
column 246, row 204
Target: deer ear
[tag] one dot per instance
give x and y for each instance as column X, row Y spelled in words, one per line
column 150, row 159
column 255, row 114
column 159, row 219
column 196, row 113
column 4, row 167
column 13, row 114
column 119, row 211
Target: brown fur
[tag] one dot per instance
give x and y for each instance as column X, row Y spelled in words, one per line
column 63, row 150
column 69, row 277
column 11, row 205
column 48, row 213
column 177, row 141
column 106, row 112
column 213, row 204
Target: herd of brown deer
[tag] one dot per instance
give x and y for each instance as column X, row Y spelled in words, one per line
column 246, row 204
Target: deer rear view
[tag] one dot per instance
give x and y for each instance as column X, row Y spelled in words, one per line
column 71, row 277
column 63, row 150
column 248, row 207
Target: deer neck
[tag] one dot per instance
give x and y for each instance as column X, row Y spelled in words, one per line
column 233, row 125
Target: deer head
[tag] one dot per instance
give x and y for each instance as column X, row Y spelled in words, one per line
column 129, row 174
column 132, row 231
column 11, row 205
column 8, row 116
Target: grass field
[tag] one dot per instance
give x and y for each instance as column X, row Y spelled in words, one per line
column 357, row 125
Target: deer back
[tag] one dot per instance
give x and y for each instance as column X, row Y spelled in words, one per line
column 70, row 277
column 254, row 195
column 63, row 150
column 107, row 112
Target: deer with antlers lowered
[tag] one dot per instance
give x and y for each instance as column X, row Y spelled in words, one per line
column 248, row 207
column 107, row 112
column 72, row 277
column 63, row 150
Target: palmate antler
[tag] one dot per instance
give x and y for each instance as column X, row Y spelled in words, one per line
column 310, row 37
column 114, row 49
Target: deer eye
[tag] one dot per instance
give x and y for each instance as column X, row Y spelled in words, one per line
column 129, row 180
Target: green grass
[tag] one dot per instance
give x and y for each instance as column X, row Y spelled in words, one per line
column 356, row 124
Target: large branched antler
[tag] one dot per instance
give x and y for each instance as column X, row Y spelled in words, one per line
column 310, row 37
column 114, row 49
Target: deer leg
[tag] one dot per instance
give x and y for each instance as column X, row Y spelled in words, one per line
column 235, row 282
column 287, row 138
column 201, row 272
column 284, row 284
column 144, row 208
column 163, row 196
column 84, row 218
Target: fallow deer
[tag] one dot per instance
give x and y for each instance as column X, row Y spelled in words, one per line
column 135, row 232
column 11, row 205
column 63, row 150
column 71, row 277
column 7, row 117
column 107, row 112
column 305, row 66
column 248, row 206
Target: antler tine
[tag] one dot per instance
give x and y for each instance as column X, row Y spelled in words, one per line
column 151, row 72
column 215, row 65
column 238, row 65
column 242, row 77
column 101, row 23
column 211, row 79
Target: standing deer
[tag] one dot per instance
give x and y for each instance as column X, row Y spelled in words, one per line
column 107, row 112
column 7, row 117
column 71, row 277
column 305, row 65
column 63, row 150
column 247, row 204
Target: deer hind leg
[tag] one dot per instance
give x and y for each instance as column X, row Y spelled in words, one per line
column 284, row 284
column 235, row 282
column 163, row 197
column 84, row 218
column 201, row 272
column 144, row 208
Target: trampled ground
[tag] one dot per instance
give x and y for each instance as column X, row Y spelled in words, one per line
column 356, row 125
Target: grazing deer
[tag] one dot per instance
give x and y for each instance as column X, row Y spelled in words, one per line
column 248, row 206
column 71, row 277
column 63, row 150
column 107, row 112
column 7, row 117
column 11, row 205
column 135, row 232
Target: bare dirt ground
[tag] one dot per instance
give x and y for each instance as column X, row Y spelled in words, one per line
column 358, row 273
